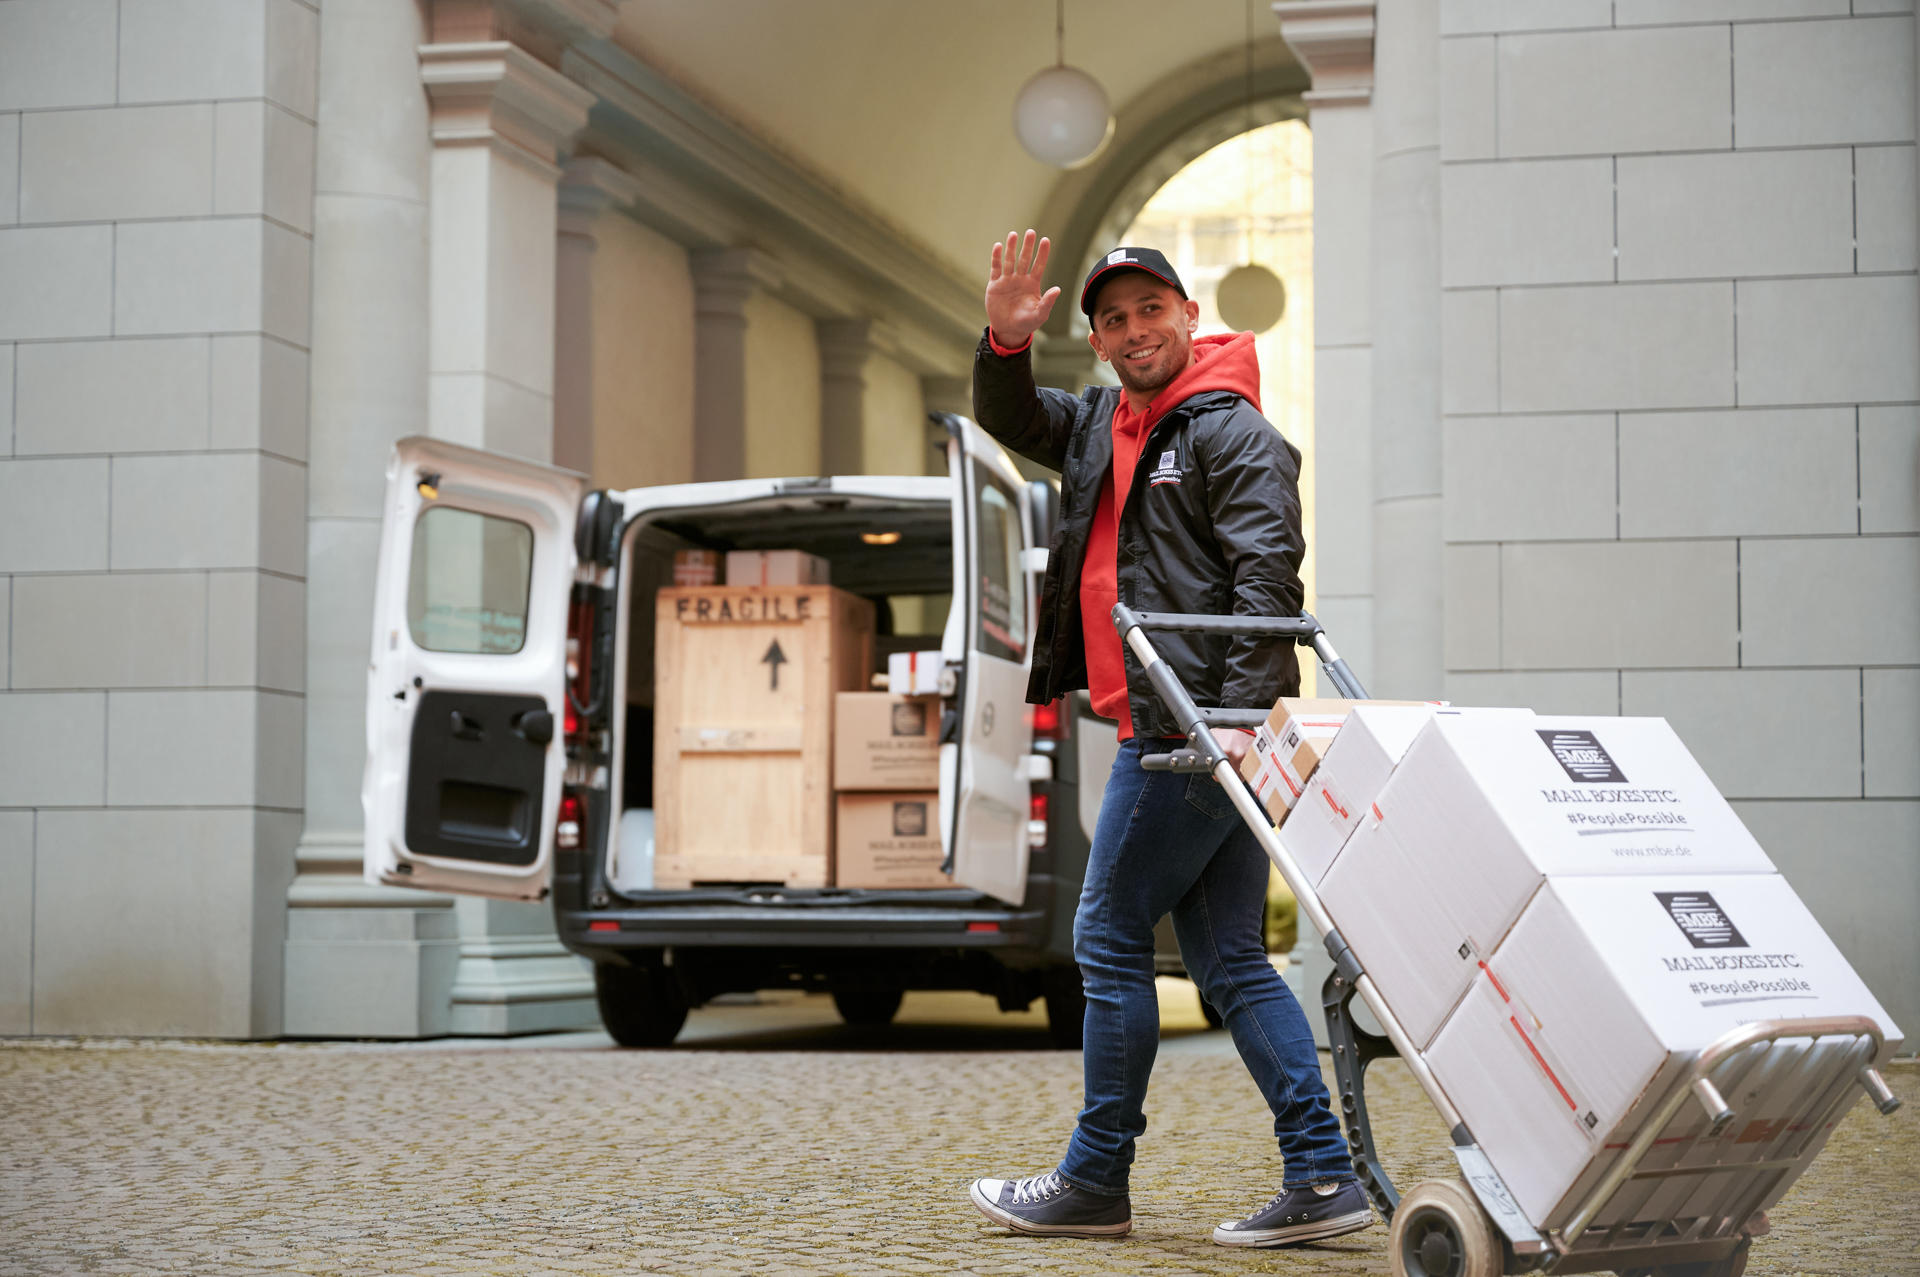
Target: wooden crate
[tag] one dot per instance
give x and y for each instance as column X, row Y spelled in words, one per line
column 744, row 680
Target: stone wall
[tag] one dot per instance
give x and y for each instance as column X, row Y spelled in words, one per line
column 1681, row 363
column 156, row 205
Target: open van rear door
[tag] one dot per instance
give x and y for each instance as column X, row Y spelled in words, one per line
column 985, row 791
column 467, row 687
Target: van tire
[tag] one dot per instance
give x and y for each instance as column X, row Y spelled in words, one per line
column 1066, row 1000
column 867, row 1008
column 641, row 1005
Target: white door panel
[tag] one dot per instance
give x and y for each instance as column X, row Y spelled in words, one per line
column 466, row 688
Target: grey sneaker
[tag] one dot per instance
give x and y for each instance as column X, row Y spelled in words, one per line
column 1309, row 1213
column 1048, row 1205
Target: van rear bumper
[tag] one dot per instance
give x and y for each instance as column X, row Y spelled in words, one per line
column 792, row 918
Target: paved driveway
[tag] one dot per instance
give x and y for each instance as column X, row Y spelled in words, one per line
column 772, row 1140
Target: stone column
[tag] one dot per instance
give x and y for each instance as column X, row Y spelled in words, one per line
column 1334, row 41
column 588, row 188
column 499, row 121
column 360, row 960
column 846, row 346
column 1407, row 558
column 723, row 281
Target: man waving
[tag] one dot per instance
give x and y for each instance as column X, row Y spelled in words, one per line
column 1176, row 496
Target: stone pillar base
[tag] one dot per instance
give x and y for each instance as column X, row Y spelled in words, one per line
column 514, row 976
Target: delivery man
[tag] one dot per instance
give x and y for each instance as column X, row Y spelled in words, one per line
column 1176, row 495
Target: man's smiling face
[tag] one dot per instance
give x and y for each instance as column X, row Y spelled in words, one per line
column 1144, row 328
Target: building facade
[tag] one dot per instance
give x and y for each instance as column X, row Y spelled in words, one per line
column 1617, row 381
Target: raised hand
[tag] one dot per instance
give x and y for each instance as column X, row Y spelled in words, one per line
column 1016, row 307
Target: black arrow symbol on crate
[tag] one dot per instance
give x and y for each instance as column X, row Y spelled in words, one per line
column 773, row 660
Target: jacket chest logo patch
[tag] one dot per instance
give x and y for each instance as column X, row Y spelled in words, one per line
column 1168, row 471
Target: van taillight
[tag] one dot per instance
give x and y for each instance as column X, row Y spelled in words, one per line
column 1048, row 719
column 1037, row 821
column 572, row 720
column 579, row 660
column 1037, row 807
column 566, row 832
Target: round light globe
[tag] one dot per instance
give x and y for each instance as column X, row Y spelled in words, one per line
column 1250, row 299
column 1062, row 117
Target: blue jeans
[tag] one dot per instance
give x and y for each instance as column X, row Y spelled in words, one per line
column 1173, row 844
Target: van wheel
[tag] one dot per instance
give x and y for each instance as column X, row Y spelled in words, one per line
column 867, row 1008
column 1066, row 1000
column 640, row 1005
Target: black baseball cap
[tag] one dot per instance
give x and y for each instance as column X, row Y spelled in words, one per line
column 1150, row 261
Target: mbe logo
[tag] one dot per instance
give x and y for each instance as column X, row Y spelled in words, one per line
column 1582, row 757
column 1698, row 915
column 909, row 820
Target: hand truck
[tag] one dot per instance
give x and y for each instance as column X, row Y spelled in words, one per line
column 1451, row 1228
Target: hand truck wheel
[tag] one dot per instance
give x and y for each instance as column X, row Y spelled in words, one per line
column 1440, row 1231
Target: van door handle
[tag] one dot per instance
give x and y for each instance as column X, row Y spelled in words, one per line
column 465, row 728
column 534, row 726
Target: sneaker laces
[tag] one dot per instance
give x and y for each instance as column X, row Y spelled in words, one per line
column 1324, row 1188
column 1038, row 1188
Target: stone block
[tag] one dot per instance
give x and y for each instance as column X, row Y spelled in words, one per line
column 249, row 513
column 116, row 164
column 1890, row 706
column 1343, row 226
column 1468, row 119
column 192, row 50
column 259, row 389
column 111, row 955
column 1836, row 81
column 16, row 924
column 1884, row 200
column 1462, row 17
column 288, row 193
column 141, row 395
column 1470, row 351
column 1809, row 721
column 110, row 630
column 9, row 169
column 292, row 65
column 1858, row 592
column 189, row 277
column 349, row 975
column 1890, row 469
column 1472, row 607
column 1544, row 692
column 257, row 632
column 1526, row 222
column 56, row 53
column 53, row 515
column 1617, row 346
column 1757, row 472
column 1636, row 13
column 8, row 355
column 52, row 749
column 202, row 748
column 1853, row 865
column 1611, row 92
column 345, row 555
column 1882, row 6
column 286, row 269
column 6, row 630
column 1530, row 478
column 56, row 281
column 1342, row 543
column 1834, row 341
column 1619, row 605
column 1736, row 214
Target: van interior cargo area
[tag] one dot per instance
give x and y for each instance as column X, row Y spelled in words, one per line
column 897, row 553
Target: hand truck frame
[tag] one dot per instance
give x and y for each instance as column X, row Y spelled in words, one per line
column 1439, row 1230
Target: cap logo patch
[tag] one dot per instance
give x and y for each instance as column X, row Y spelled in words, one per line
column 1117, row 256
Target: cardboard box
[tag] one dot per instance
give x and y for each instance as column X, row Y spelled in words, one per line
column 1355, row 768
column 882, row 741
column 1484, row 806
column 888, row 840
column 914, row 673
column 696, row 567
column 774, row 567
column 1289, row 746
column 1603, row 990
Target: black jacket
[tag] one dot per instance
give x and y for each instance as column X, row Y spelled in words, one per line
column 1223, row 538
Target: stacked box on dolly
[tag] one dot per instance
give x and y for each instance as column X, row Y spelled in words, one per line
column 886, row 774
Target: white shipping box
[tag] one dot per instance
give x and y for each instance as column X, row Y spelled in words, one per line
column 914, row 673
column 1603, row 991
column 1481, row 808
column 775, row 567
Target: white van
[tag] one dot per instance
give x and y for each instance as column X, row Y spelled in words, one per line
column 509, row 735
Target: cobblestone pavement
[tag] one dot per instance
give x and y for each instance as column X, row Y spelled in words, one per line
column 795, row 1146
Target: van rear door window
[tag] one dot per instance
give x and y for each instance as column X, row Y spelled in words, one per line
column 467, row 590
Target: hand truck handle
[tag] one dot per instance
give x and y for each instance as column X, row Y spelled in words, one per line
column 1302, row 629
column 1180, row 761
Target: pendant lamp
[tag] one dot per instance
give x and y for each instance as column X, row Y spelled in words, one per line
column 1061, row 115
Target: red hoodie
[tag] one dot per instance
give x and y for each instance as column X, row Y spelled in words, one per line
column 1224, row 361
